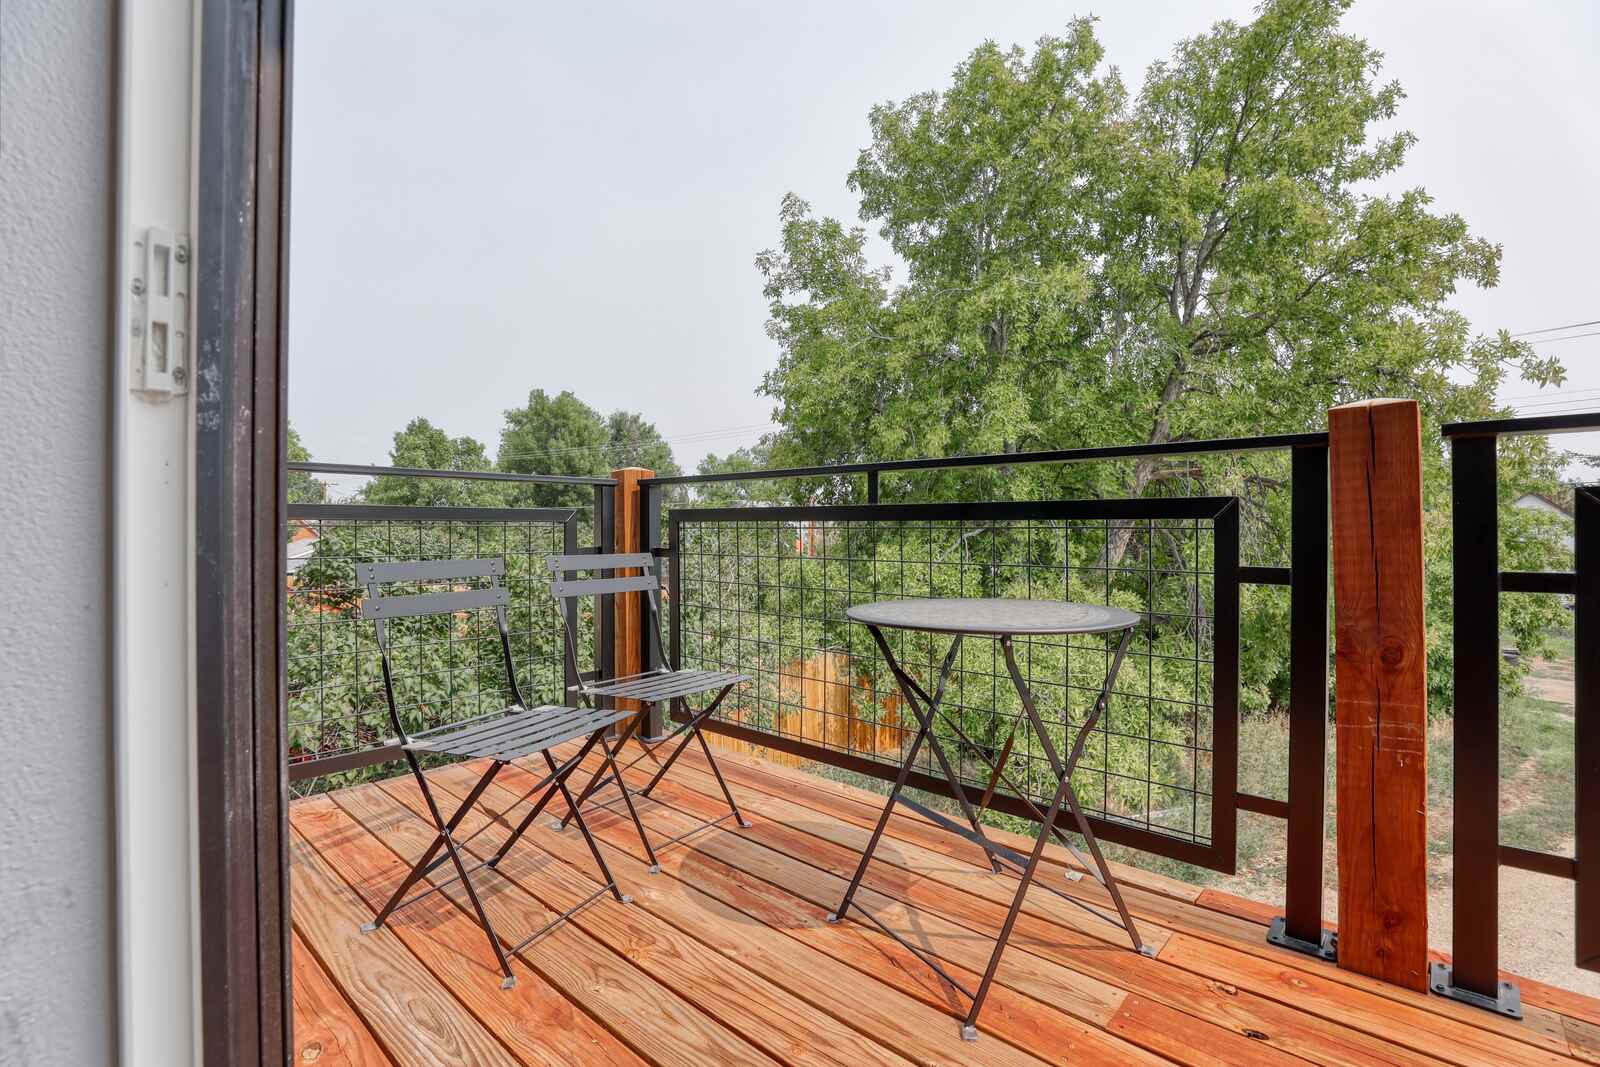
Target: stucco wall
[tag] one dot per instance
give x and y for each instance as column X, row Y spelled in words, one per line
column 57, row 125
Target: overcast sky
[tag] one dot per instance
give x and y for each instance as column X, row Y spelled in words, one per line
column 495, row 197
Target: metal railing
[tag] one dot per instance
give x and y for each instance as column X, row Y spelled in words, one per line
column 725, row 610
column 1478, row 582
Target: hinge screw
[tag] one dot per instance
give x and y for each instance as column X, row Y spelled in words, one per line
column 182, row 254
column 178, row 375
column 138, row 287
column 138, row 328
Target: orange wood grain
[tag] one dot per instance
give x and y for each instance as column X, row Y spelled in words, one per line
column 1375, row 462
column 327, row 1030
column 629, row 607
column 533, row 1020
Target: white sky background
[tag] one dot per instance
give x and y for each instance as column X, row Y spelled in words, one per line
column 493, row 197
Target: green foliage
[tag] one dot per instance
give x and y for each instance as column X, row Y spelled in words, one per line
column 1086, row 266
column 563, row 435
column 303, row 487
column 424, row 445
column 734, row 494
column 552, row 435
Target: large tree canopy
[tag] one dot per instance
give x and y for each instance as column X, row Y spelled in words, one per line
column 563, row 435
column 1208, row 257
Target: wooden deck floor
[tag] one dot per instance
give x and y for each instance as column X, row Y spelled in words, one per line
column 724, row 957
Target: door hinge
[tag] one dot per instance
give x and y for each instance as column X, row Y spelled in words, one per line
column 159, row 318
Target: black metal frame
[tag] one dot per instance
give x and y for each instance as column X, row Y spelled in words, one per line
column 1473, row 976
column 691, row 720
column 380, row 609
column 1221, row 852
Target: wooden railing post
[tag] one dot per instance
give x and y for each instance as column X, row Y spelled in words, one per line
column 630, row 628
column 1375, row 457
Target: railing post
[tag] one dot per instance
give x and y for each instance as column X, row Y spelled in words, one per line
column 629, row 626
column 1586, row 713
column 1300, row 927
column 1375, row 456
column 1473, row 974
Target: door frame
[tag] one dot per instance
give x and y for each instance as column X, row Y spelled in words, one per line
column 240, row 435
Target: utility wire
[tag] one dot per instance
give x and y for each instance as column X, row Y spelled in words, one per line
column 1557, row 329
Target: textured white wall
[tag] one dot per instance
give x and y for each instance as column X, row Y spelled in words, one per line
column 57, row 122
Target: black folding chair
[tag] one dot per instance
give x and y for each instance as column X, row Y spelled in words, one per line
column 652, row 687
column 501, row 736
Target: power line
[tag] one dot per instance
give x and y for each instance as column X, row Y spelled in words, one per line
column 1568, row 337
column 1557, row 329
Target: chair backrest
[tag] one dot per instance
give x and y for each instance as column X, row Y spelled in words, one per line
column 381, row 609
column 568, row 590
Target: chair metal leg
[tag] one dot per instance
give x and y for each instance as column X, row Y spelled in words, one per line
column 508, row 980
column 633, row 813
column 594, row 849
column 556, row 773
column 424, row 865
column 726, row 792
column 600, row 776
column 692, row 727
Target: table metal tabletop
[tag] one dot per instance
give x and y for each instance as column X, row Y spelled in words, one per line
column 993, row 616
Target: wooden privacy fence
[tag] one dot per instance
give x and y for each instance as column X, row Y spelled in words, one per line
column 819, row 700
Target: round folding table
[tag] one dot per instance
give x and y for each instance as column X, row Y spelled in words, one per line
column 1002, row 620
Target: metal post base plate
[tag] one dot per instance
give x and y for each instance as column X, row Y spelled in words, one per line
column 1325, row 948
column 969, row 1033
column 1508, row 1003
column 509, row 982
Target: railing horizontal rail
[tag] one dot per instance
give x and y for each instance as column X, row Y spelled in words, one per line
column 313, row 467
column 1062, row 455
column 405, row 513
column 1575, row 423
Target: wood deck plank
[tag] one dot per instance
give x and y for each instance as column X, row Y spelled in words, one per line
column 534, row 1020
column 744, row 1002
column 1236, row 924
column 1058, row 957
column 401, row 1002
column 656, row 1022
column 865, row 988
column 327, row 1030
column 751, row 904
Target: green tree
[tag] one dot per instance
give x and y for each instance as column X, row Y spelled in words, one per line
column 303, row 486
column 424, row 445
column 733, row 494
column 633, row 442
column 1089, row 266
column 552, row 435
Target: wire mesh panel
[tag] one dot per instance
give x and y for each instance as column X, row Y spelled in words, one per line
column 446, row 667
column 764, row 591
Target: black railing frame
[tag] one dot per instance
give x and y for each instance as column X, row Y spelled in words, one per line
column 1473, row 974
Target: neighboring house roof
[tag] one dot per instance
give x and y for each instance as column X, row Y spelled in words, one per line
column 1540, row 502
column 302, row 543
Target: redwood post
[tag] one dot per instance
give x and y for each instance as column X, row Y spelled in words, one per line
column 629, row 625
column 1375, row 457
